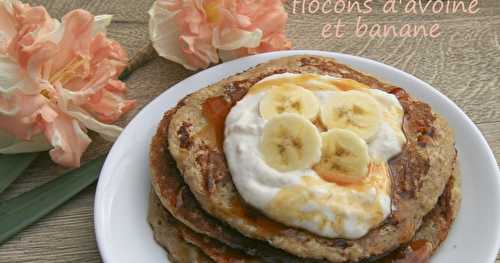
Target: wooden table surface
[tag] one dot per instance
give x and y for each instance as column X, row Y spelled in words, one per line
column 463, row 63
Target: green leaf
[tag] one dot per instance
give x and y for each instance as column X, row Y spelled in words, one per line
column 12, row 166
column 23, row 210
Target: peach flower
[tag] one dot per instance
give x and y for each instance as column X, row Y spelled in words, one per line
column 58, row 79
column 195, row 33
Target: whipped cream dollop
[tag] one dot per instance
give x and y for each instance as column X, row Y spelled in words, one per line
column 301, row 198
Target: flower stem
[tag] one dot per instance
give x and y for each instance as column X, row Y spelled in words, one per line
column 141, row 58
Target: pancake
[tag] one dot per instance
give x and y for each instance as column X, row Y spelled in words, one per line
column 433, row 231
column 186, row 246
column 434, row 228
column 419, row 174
column 180, row 202
column 169, row 236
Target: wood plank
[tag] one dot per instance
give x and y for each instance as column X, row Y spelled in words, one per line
column 66, row 235
column 463, row 63
column 491, row 132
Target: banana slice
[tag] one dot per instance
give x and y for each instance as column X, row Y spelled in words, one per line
column 353, row 110
column 344, row 157
column 289, row 98
column 290, row 142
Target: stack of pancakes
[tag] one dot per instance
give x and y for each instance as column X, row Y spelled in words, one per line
column 198, row 215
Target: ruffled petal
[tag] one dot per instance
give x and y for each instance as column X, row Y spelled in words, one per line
column 101, row 22
column 195, row 33
column 37, row 57
column 75, row 42
column 171, row 5
column 270, row 22
column 108, row 106
column 107, row 131
column 199, row 54
column 11, row 75
column 7, row 24
column 164, row 34
column 234, row 30
column 67, row 138
column 32, row 23
column 115, row 110
column 19, row 113
column 100, row 95
column 179, row 32
column 230, row 39
column 72, row 59
column 271, row 43
column 105, row 50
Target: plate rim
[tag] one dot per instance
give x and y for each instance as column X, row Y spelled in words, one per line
column 105, row 178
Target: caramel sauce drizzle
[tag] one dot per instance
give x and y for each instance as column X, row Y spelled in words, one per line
column 255, row 218
column 302, row 80
column 215, row 111
column 378, row 177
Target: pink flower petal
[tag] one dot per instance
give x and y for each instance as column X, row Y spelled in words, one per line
column 22, row 114
column 195, row 32
column 171, row 5
column 57, row 80
column 234, row 38
column 109, row 106
column 102, row 48
column 7, row 25
column 68, row 139
column 30, row 23
column 164, row 33
column 76, row 38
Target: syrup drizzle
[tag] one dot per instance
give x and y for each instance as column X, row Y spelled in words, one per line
column 215, row 111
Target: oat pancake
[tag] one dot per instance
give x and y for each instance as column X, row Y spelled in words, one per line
column 167, row 234
column 434, row 228
column 419, row 173
column 186, row 246
column 179, row 200
column 433, row 231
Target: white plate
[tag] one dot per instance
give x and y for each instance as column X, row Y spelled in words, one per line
column 123, row 234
